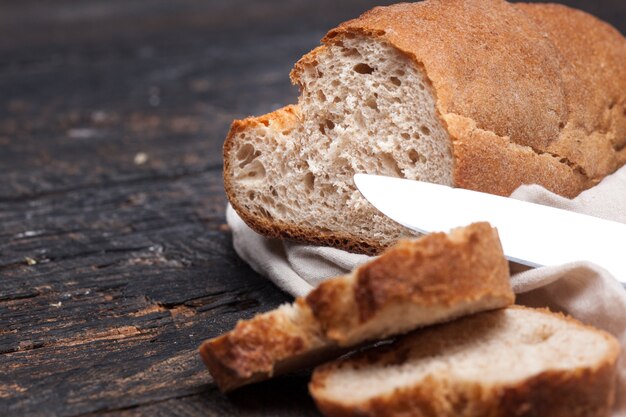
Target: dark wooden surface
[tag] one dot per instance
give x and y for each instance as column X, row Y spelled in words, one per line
column 115, row 262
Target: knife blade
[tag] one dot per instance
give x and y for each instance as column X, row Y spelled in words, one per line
column 531, row 234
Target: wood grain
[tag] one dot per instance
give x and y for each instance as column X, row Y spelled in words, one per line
column 115, row 261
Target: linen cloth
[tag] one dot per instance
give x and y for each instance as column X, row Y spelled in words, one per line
column 581, row 289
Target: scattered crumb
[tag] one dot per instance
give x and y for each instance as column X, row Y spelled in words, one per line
column 81, row 133
column 30, row 261
column 141, row 158
column 57, row 305
column 29, row 233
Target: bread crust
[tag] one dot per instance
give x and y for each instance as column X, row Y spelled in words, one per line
column 440, row 272
column 581, row 392
column 478, row 152
column 251, row 352
column 520, row 72
column 336, row 316
column 528, row 93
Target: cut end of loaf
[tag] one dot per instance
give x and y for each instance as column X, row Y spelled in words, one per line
column 266, row 345
column 492, row 361
column 421, row 90
column 433, row 279
column 364, row 107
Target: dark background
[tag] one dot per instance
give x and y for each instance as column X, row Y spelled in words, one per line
column 115, row 262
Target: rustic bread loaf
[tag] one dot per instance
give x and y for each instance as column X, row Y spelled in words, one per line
column 415, row 283
column 480, row 94
column 508, row 362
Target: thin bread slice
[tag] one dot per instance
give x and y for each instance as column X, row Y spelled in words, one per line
column 285, row 339
column 510, row 362
column 479, row 94
column 415, row 283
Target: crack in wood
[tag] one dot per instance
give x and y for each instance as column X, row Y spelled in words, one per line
column 39, row 234
column 132, row 181
column 179, row 312
column 107, row 410
column 207, row 302
column 86, row 337
column 12, row 265
column 19, row 296
column 76, row 256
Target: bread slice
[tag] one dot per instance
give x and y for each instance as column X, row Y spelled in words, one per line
column 480, row 94
column 509, row 362
column 415, row 283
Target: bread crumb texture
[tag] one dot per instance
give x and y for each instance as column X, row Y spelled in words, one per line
column 480, row 94
column 514, row 361
column 415, row 283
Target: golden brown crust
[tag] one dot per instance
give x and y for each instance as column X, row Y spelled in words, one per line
column 435, row 271
column 485, row 59
column 579, row 392
column 319, row 326
column 251, row 351
column 529, row 93
column 591, row 56
column 546, row 77
column 439, row 270
column 479, row 153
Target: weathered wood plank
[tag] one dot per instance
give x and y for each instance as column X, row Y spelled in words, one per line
column 162, row 107
column 115, row 262
column 119, row 295
column 114, row 268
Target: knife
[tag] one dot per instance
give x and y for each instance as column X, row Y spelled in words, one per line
column 531, row 234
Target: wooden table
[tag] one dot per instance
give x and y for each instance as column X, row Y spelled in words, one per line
column 115, row 261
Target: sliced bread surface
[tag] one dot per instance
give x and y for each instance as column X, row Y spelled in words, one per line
column 480, row 94
column 429, row 280
column 509, row 362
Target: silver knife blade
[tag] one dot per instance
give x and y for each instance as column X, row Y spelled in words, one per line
column 531, row 234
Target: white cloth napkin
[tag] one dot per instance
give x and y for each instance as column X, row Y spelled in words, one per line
column 581, row 289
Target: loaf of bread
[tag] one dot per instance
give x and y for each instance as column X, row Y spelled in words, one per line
column 480, row 94
column 415, row 283
column 509, row 362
